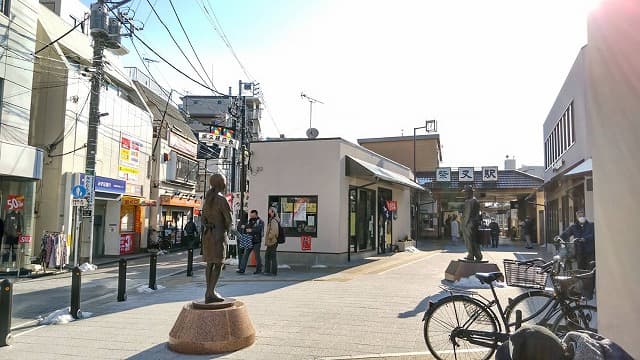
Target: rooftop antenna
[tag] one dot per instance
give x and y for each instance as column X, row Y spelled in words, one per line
column 312, row 133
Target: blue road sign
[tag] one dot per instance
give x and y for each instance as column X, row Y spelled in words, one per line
column 79, row 192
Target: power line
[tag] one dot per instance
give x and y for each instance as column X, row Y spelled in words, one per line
column 190, row 44
column 175, row 41
column 175, row 68
column 63, row 35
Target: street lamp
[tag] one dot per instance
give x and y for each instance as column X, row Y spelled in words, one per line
column 429, row 125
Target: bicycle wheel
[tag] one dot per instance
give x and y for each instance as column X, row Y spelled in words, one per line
column 578, row 317
column 530, row 303
column 454, row 313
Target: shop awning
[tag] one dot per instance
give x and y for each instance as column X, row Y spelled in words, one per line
column 360, row 168
column 585, row 167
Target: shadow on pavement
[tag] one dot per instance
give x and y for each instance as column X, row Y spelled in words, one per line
column 423, row 305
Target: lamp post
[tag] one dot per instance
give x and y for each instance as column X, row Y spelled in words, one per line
column 429, row 125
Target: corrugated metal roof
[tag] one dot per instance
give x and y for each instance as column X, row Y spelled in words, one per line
column 507, row 179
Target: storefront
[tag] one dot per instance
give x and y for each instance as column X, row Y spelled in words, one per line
column 17, row 194
column 175, row 213
column 336, row 200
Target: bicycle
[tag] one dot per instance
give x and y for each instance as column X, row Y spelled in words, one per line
column 566, row 254
column 560, row 309
column 461, row 326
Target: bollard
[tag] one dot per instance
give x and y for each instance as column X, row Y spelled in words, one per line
column 518, row 319
column 122, row 280
column 76, row 278
column 153, row 262
column 190, row 263
column 6, row 299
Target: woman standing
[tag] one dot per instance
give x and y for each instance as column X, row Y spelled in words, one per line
column 271, row 240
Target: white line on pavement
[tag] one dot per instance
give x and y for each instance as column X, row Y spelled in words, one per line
column 409, row 263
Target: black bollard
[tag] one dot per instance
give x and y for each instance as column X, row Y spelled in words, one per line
column 190, row 263
column 122, row 280
column 76, row 281
column 153, row 262
column 6, row 299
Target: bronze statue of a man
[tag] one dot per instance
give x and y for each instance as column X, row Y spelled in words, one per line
column 470, row 224
column 216, row 219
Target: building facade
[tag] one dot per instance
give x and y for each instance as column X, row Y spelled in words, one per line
column 568, row 183
column 20, row 164
column 336, row 200
column 613, row 80
column 60, row 106
column 174, row 164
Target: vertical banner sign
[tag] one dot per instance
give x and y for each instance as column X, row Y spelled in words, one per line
column 305, row 242
column 89, row 183
column 129, row 166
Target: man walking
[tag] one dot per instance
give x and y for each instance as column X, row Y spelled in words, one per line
column 494, row 228
column 255, row 227
column 191, row 230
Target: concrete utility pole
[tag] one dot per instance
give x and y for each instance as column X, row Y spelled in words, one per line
column 100, row 35
column 243, row 169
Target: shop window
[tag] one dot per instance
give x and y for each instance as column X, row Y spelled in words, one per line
column 298, row 213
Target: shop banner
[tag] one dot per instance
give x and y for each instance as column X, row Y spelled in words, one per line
column 179, row 143
column 305, row 242
column 392, row 205
column 126, row 243
column 128, row 168
column 24, row 239
column 15, row 202
column 219, row 136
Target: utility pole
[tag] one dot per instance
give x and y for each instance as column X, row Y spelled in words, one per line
column 101, row 36
column 243, row 169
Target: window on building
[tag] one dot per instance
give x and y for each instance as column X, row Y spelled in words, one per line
column 186, row 170
column 5, row 5
column 298, row 213
column 561, row 137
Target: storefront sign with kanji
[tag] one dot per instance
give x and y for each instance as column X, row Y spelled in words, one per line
column 392, row 205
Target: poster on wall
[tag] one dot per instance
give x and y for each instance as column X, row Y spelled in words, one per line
column 305, row 243
column 300, row 210
column 15, row 202
column 126, row 243
column 129, row 166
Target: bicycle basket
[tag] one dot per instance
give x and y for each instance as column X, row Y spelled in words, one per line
column 583, row 287
column 524, row 276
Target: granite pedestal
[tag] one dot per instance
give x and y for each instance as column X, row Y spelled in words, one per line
column 212, row 328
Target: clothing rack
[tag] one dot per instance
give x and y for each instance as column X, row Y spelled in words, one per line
column 53, row 250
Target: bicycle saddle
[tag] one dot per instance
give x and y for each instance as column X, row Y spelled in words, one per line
column 488, row 278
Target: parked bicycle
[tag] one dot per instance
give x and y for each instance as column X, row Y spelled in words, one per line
column 566, row 252
column 462, row 326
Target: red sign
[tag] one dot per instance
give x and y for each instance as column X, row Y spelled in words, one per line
column 305, row 242
column 24, row 239
column 392, row 205
column 15, row 202
column 126, row 243
column 229, row 199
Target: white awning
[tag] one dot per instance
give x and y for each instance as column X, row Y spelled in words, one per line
column 360, row 168
column 585, row 167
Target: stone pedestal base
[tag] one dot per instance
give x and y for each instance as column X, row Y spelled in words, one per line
column 459, row 269
column 212, row 328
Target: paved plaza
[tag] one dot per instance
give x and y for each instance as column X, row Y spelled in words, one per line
column 373, row 310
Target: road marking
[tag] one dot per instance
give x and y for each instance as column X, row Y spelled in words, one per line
column 409, row 263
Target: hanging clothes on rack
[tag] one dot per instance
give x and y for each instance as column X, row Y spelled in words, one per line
column 54, row 250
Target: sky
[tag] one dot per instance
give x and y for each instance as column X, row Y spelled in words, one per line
column 487, row 70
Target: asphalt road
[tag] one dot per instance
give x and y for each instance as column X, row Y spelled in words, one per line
column 35, row 298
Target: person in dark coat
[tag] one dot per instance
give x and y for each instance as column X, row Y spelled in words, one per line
column 585, row 230
column 216, row 219
column 495, row 232
column 470, row 224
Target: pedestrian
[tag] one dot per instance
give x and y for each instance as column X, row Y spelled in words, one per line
column 447, row 226
column 455, row 229
column 255, row 228
column 494, row 228
column 582, row 229
column 528, row 228
column 271, row 240
column 191, row 231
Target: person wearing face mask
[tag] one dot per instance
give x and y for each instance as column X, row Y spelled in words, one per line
column 582, row 229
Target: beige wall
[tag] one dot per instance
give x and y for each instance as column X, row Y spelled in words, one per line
column 614, row 89
column 427, row 158
column 318, row 168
